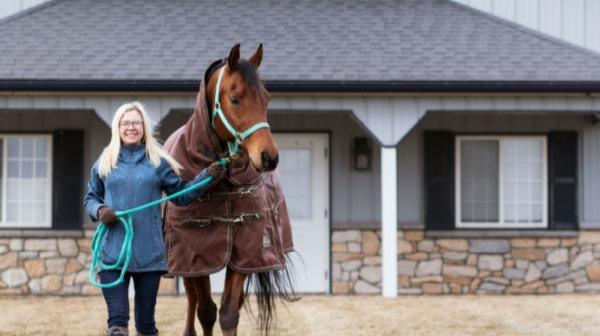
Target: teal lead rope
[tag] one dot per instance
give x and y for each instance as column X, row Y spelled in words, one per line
column 126, row 219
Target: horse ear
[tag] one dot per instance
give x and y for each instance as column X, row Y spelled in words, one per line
column 234, row 57
column 256, row 58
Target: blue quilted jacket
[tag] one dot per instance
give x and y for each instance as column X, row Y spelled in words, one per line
column 136, row 181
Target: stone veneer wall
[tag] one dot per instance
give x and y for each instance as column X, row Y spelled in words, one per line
column 50, row 266
column 425, row 266
column 468, row 266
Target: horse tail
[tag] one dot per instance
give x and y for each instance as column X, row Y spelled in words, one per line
column 268, row 287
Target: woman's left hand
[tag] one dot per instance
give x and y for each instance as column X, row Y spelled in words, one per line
column 216, row 171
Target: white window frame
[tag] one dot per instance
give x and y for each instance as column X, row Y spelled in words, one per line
column 500, row 224
column 3, row 202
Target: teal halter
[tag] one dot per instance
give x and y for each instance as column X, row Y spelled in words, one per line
column 238, row 137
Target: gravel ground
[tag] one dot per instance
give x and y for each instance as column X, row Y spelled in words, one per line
column 333, row 315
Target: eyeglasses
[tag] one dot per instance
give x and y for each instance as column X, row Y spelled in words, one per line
column 134, row 123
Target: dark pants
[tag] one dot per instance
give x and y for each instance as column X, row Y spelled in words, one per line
column 117, row 299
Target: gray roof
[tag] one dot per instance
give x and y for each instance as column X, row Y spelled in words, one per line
column 304, row 40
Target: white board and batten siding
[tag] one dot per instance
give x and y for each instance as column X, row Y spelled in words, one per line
column 11, row 7
column 574, row 21
column 355, row 200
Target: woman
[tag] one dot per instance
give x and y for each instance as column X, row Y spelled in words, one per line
column 133, row 170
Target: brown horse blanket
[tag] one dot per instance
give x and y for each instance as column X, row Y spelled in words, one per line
column 242, row 222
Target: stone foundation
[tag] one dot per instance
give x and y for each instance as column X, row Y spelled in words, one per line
column 468, row 266
column 425, row 266
column 57, row 266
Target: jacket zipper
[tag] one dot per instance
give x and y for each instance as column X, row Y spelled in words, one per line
column 129, row 179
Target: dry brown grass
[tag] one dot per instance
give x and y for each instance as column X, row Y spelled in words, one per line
column 334, row 315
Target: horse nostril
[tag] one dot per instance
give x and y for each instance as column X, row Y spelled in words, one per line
column 268, row 162
column 264, row 156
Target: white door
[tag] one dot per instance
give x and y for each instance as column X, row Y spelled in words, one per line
column 304, row 171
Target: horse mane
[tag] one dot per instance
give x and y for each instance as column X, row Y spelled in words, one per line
column 212, row 68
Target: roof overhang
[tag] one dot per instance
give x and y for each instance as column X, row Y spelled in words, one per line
column 299, row 86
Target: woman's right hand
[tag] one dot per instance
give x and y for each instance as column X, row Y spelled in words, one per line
column 107, row 216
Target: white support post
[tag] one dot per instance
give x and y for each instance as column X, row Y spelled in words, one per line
column 389, row 226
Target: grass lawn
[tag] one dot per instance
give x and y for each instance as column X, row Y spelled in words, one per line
column 333, row 315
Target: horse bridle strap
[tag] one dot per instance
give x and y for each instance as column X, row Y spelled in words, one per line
column 238, row 137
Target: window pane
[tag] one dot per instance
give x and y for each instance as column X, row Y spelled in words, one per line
column 27, row 212
column 537, row 190
column 523, row 192
column 13, row 148
column 27, row 190
column 41, row 169
column 479, row 181
column 13, row 190
column 27, row 148
column 40, row 213
column 12, row 212
column 537, row 170
column 522, row 178
column 537, row 213
column 40, row 190
column 523, row 172
column 509, row 212
column 295, row 171
column 27, row 168
column 41, row 146
column 536, row 147
column 523, row 212
column 13, row 168
column 510, row 189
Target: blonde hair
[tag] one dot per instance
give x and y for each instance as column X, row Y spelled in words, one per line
column 154, row 150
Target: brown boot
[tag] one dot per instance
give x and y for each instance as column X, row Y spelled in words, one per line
column 116, row 331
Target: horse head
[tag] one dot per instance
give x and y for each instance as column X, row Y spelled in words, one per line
column 239, row 103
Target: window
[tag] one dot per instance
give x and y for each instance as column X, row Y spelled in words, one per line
column 501, row 182
column 296, row 168
column 25, row 181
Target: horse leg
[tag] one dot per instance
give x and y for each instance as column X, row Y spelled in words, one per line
column 207, row 309
column 233, row 298
column 192, row 301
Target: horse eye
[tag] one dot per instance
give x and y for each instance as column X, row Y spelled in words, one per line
column 234, row 100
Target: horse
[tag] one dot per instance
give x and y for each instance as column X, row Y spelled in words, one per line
column 239, row 101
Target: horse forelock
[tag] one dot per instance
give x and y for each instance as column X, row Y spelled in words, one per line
column 250, row 74
column 248, row 71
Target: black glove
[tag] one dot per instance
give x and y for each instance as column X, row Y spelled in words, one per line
column 107, row 216
column 216, row 171
column 239, row 164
